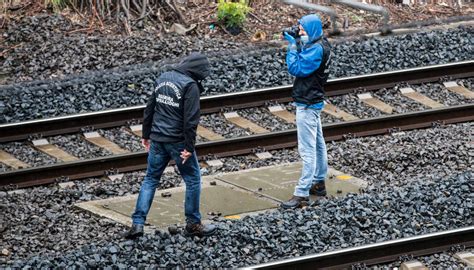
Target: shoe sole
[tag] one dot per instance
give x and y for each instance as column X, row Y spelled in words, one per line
column 318, row 194
column 199, row 234
column 301, row 205
column 133, row 237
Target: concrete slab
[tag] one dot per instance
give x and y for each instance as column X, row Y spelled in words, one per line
column 11, row 161
column 278, row 182
column 283, row 113
column 461, row 90
column 222, row 199
column 65, row 185
column 413, row 265
column 215, row 163
column 466, row 257
column 208, row 134
column 231, row 195
column 98, row 140
column 244, row 123
column 115, row 177
column 137, row 130
column 375, row 103
column 338, row 113
column 264, row 155
column 422, row 99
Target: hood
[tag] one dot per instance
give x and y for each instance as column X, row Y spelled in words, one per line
column 195, row 65
column 312, row 25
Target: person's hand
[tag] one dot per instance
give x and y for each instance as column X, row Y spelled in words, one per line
column 291, row 40
column 185, row 155
column 146, row 144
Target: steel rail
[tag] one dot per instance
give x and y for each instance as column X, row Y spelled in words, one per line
column 238, row 146
column 245, row 99
column 379, row 252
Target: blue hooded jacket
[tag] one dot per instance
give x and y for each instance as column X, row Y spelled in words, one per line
column 309, row 64
column 308, row 60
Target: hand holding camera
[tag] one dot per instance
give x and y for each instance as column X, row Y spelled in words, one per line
column 291, row 40
column 293, row 31
column 291, row 34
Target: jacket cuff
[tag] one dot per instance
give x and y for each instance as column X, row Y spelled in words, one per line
column 189, row 148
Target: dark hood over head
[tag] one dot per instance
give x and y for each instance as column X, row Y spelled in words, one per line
column 195, row 65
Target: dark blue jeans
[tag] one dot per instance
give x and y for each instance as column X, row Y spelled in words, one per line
column 158, row 157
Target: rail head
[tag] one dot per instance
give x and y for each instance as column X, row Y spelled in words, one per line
column 379, row 252
column 238, row 146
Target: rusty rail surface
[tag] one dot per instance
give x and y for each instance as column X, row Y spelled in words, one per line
column 237, row 146
column 239, row 100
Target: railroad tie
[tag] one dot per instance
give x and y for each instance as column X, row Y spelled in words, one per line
column 375, row 103
column 11, row 161
column 52, row 150
column 413, row 265
column 201, row 131
column 208, row 134
column 215, row 163
column 263, row 155
column 412, row 94
column 465, row 257
column 283, row 113
column 238, row 120
column 338, row 113
column 461, row 90
column 137, row 130
column 97, row 139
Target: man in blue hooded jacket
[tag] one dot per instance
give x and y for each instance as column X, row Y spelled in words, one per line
column 308, row 59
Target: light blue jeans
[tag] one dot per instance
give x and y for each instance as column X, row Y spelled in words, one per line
column 158, row 157
column 312, row 149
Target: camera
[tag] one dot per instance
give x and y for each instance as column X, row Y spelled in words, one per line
column 293, row 31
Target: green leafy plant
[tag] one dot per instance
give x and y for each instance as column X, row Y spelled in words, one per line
column 231, row 14
column 56, row 4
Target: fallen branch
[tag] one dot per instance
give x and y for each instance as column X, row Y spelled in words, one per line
column 127, row 27
column 255, row 16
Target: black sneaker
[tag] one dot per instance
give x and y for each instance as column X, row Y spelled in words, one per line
column 200, row 229
column 134, row 232
column 295, row 202
column 318, row 189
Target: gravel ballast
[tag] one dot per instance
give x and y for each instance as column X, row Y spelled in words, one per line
column 374, row 216
column 418, row 166
column 232, row 70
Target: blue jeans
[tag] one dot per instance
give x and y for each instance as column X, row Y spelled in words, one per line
column 312, row 149
column 158, row 157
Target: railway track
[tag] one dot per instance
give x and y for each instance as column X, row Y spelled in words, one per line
column 239, row 100
column 378, row 253
column 216, row 145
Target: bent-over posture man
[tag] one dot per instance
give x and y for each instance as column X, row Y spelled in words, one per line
column 308, row 62
column 169, row 132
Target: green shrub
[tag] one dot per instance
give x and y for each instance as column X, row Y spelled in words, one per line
column 57, row 5
column 232, row 14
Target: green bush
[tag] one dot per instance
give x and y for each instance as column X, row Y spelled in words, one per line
column 232, row 14
column 57, row 5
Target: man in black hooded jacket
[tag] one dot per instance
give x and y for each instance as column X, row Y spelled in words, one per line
column 169, row 132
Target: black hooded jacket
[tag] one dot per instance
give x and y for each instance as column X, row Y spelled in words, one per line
column 172, row 112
